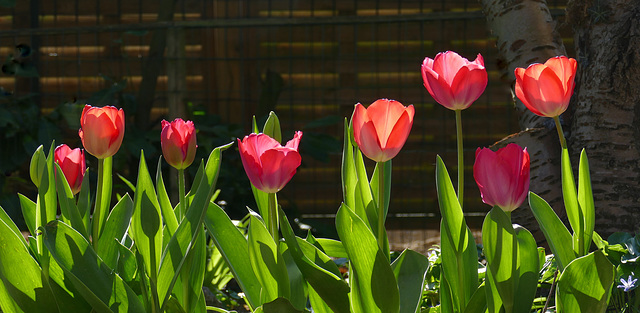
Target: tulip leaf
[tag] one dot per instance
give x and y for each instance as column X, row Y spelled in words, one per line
column 28, row 208
column 386, row 166
column 320, row 272
column 373, row 284
column 478, row 301
column 365, row 206
column 585, row 284
column 527, row 269
column 281, row 305
column 168, row 216
column 84, row 201
column 47, row 190
column 184, row 239
column 114, row 231
column 330, row 247
column 146, row 223
column 9, row 222
column 272, row 127
column 297, row 283
column 348, row 170
column 23, row 290
column 97, row 283
column 501, row 251
column 233, row 246
column 459, row 276
column 570, row 195
column 585, row 200
column 67, row 201
column 555, row 232
column 267, row 263
column 410, row 269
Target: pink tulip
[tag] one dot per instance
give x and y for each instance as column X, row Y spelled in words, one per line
column 73, row 165
column 382, row 129
column 502, row 176
column 546, row 89
column 269, row 165
column 453, row 81
column 178, row 140
column 101, row 130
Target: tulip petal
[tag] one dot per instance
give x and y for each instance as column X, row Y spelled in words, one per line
column 468, row 85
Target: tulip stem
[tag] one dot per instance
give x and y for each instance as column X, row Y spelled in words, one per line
column 460, row 157
column 183, row 202
column 273, row 216
column 103, row 197
column 563, row 142
column 381, row 204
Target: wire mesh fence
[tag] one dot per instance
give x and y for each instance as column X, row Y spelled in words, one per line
column 309, row 61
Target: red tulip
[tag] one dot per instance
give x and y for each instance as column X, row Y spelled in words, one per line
column 546, row 89
column 382, row 129
column 502, row 176
column 453, row 81
column 101, row 130
column 73, row 166
column 269, row 165
column 178, row 140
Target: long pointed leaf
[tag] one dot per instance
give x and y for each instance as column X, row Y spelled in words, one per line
column 67, row 201
column 348, row 170
column 410, row 269
column 114, row 231
column 557, row 234
column 376, row 289
column 98, row 284
column 168, row 216
column 574, row 214
column 585, row 199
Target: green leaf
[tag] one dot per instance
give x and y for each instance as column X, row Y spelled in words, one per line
column 330, row 247
column 348, row 170
column 272, row 127
column 9, row 222
column 574, row 213
column 478, row 302
column 365, row 206
column 459, row 279
column 320, row 272
column 280, row 305
column 28, row 208
column 67, row 202
column 165, row 204
column 183, row 240
column 146, row 223
column 527, row 269
column 501, row 251
column 585, row 284
column 268, row 265
column 375, row 288
column 554, row 230
column 84, row 201
column 234, row 248
column 410, row 269
column 98, row 284
column 114, row 231
column 22, row 285
column 297, row 283
column 585, row 200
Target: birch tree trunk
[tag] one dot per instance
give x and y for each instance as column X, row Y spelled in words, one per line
column 606, row 106
column 526, row 33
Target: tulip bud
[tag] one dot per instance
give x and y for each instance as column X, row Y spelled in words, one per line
column 269, row 165
column 37, row 166
column 502, row 176
column 382, row 129
column 101, row 130
column 178, row 140
column 72, row 163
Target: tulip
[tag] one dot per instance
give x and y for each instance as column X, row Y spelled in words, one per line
column 73, row 165
column 546, row 89
column 453, row 81
column 178, row 140
column 269, row 165
column 382, row 129
column 101, row 130
column 502, row 176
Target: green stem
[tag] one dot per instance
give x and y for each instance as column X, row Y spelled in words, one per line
column 103, row 197
column 183, row 203
column 273, row 216
column 563, row 142
column 381, row 204
column 460, row 157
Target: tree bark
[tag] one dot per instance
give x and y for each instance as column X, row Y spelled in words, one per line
column 606, row 105
column 526, row 33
